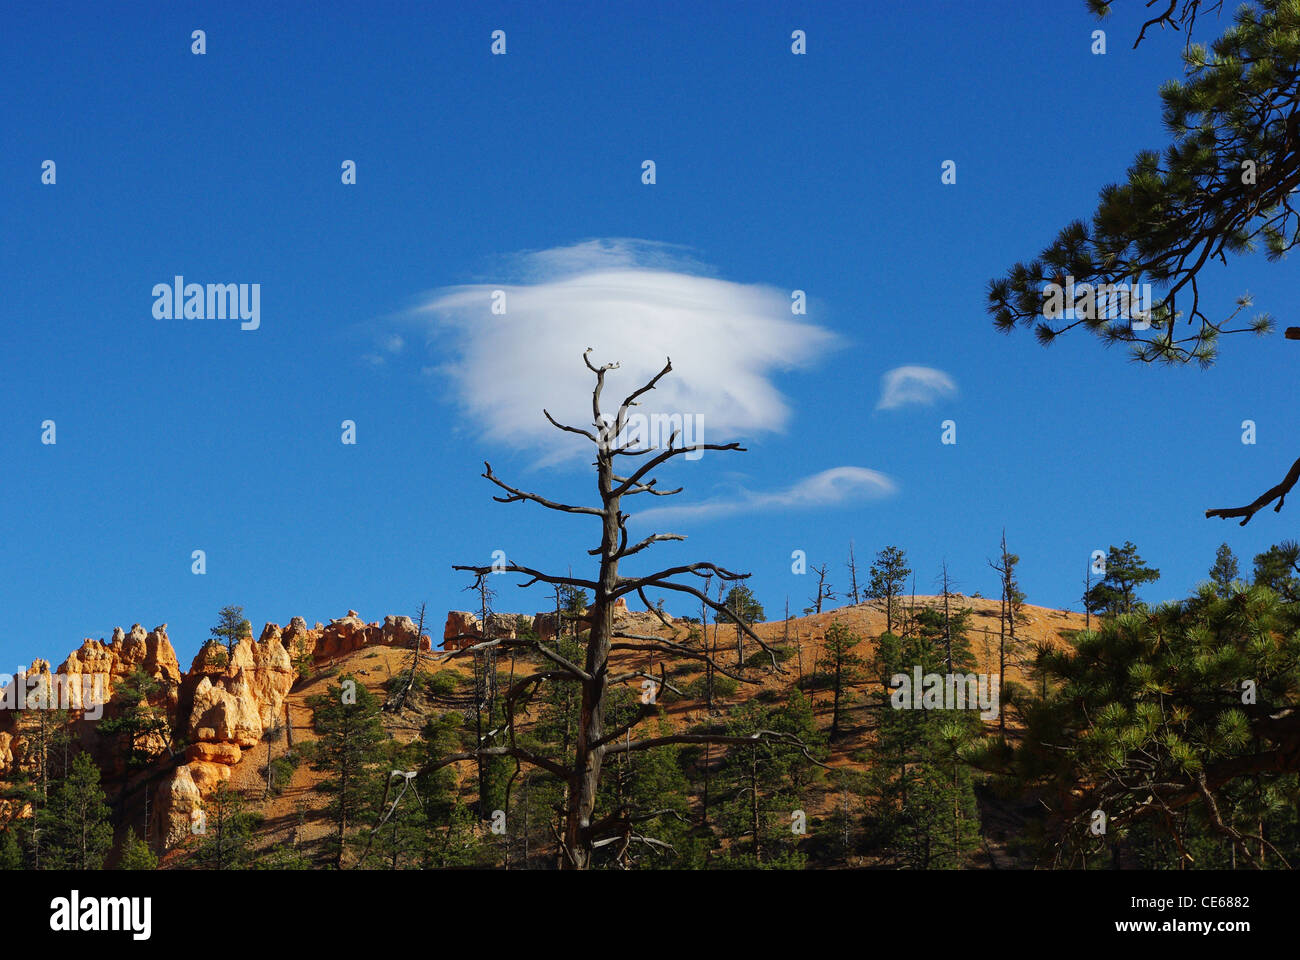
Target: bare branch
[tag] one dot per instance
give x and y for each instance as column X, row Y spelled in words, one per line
column 1277, row 493
column 648, row 487
column 550, row 766
column 568, row 429
column 537, row 645
column 648, row 541
column 517, row 495
column 630, row 584
column 536, row 575
column 648, row 644
column 669, row 454
column 600, row 384
column 631, row 400
column 719, row 608
column 759, row 736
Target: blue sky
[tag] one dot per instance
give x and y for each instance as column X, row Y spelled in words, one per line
column 774, row 172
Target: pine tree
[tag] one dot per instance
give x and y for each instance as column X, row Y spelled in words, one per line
column 448, row 824
column 1278, row 568
column 1153, row 716
column 573, row 604
column 888, row 577
column 226, row 842
column 1222, row 186
column 282, row 856
column 136, row 855
column 1225, row 570
column 947, row 616
column 1087, row 589
column 398, row 838
column 231, row 627
column 137, row 720
column 553, row 736
column 1117, row 592
column 48, row 736
column 947, row 633
column 843, row 664
column 648, row 791
column 742, row 601
column 78, row 833
column 765, row 784
column 302, row 660
column 347, row 723
column 12, row 856
column 1009, row 614
column 851, row 787
column 487, row 710
column 921, row 811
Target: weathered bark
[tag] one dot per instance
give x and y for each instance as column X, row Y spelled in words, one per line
column 579, row 836
column 591, row 717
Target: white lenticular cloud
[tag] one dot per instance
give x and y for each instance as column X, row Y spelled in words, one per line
column 635, row 303
column 829, row 488
column 920, row 386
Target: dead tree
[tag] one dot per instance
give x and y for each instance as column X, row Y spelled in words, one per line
column 1087, row 589
column 708, row 695
column 823, row 588
column 947, row 619
column 593, row 744
column 708, row 668
column 485, row 685
column 402, row 689
column 855, row 594
column 269, row 736
column 1008, row 616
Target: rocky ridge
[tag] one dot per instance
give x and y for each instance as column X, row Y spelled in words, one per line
column 218, row 709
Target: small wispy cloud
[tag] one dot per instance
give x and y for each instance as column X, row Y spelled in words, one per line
column 635, row 302
column 829, row 488
column 390, row 345
column 919, row 386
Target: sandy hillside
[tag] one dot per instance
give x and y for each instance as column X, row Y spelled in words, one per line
column 297, row 810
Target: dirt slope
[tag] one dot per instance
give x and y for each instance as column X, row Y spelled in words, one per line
column 297, row 811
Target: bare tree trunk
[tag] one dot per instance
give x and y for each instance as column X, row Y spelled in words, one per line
column 592, row 742
column 1087, row 607
column 823, row 591
column 956, row 809
column 527, row 779
column 591, row 718
column 1003, row 612
column 480, row 770
column 845, row 814
column 708, row 693
column 343, row 808
column 835, row 703
column 947, row 623
column 704, row 641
